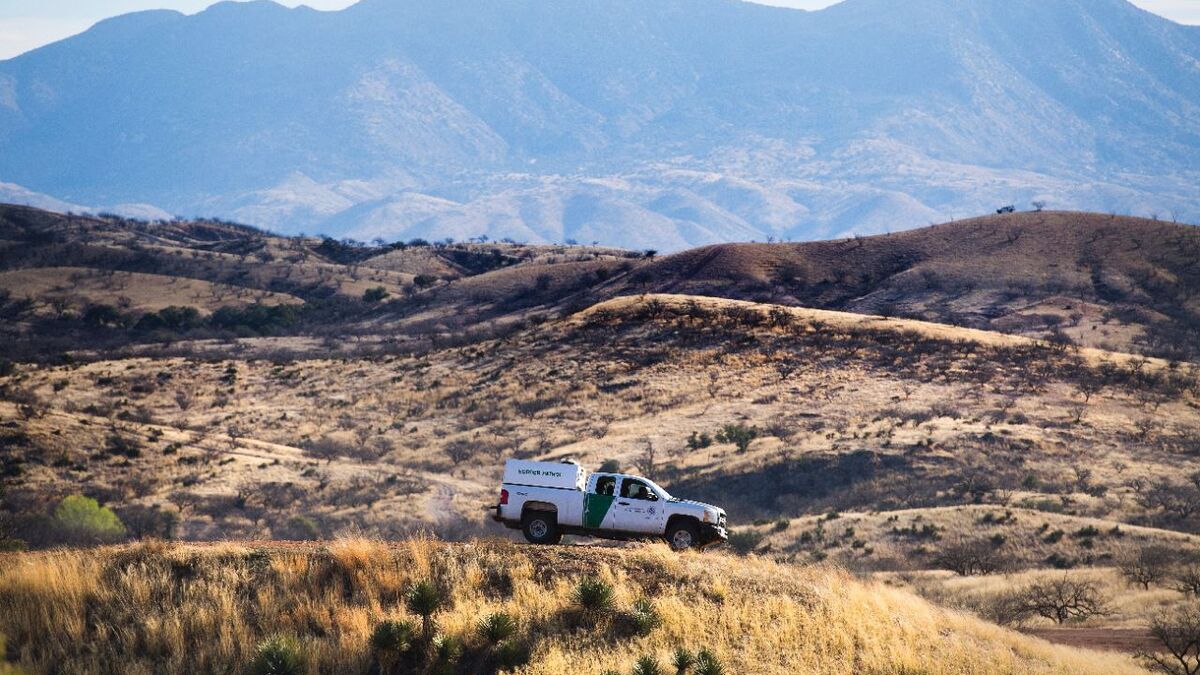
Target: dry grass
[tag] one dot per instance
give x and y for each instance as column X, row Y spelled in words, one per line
column 131, row 291
column 176, row 609
column 1127, row 605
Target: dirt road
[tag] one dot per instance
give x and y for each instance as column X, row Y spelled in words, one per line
column 1128, row 640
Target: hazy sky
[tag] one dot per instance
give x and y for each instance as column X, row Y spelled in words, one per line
column 25, row 24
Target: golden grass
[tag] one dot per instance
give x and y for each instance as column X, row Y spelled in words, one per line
column 175, row 609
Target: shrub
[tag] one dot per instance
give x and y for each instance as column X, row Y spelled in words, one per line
column 698, row 441
column 300, row 528
column 708, row 664
column 446, row 652
column 745, row 541
column 6, row 669
column 610, row 466
column 681, row 660
column 496, row 628
column 594, row 596
column 644, row 617
column 82, row 520
column 424, row 599
column 511, row 655
column 373, row 295
column 279, row 655
column 391, row 640
column 647, row 665
column 739, row 435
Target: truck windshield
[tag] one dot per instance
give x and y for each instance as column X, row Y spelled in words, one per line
column 664, row 493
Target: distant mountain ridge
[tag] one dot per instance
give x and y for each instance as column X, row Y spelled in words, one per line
column 662, row 124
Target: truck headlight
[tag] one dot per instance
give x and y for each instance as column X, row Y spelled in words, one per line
column 711, row 517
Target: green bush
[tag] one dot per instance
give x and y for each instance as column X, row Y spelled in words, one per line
column 496, row 628
column 647, row 665
column 708, row 664
column 376, row 294
column 424, row 599
column 681, row 660
column 82, row 520
column 594, row 596
column 739, row 435
column 279, row 655
column 391, row 639
column 645, row 617
column 745, row 541
column 446, row 652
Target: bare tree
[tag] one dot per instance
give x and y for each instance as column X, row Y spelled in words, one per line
column 1148, row 566
column 645, row 461
column 459, row 451
column 968, row 557
column 1039, row 205
column 1186, row 579
column 1179, row 634
column 1063, row 599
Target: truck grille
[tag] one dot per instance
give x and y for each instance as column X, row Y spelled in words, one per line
column 721, row 521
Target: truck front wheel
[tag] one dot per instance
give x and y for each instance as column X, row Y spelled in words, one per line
column 541, row 527
column 683, row 535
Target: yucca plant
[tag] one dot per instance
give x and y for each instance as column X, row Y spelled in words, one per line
column 645, row 617
column 279, row 655
column 681, row 660
column 391, row 639
column 594, row 596
column 708, row 664
column 647, row 665
column 496, row 628
column 445, row 653
column 424, row 599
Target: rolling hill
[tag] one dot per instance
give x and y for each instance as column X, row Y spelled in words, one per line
column 208, row 382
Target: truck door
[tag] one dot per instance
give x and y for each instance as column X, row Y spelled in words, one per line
column 638, row 508
column 598, row 502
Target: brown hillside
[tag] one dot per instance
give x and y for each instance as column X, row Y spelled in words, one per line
column 1121, row 283
column 186, row 609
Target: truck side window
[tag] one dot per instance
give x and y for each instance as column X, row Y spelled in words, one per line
column 635, row 489
column 605, row 485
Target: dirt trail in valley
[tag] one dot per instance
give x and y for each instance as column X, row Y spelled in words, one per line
column 1129, row 640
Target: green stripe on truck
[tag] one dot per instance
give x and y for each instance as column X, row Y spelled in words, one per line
column 595, row 508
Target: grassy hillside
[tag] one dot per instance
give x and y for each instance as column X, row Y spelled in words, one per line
column 1124, row 284
column 772, row 412
column 207, row 382
column 1121, row 284
column 185, row 609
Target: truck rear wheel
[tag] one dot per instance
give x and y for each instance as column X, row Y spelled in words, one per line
column 683, row 535
column 541, row 527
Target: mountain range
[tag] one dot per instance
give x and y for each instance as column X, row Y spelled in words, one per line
column 661, row 124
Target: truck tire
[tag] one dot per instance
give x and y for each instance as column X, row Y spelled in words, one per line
column 541, row 527
column 683, row 535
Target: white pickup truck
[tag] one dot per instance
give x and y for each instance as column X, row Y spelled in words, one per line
column 547, row 500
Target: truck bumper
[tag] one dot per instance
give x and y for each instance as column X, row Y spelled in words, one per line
column 712, row 535
column 496, row 516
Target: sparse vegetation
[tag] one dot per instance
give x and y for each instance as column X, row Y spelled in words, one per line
column 282, row 607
